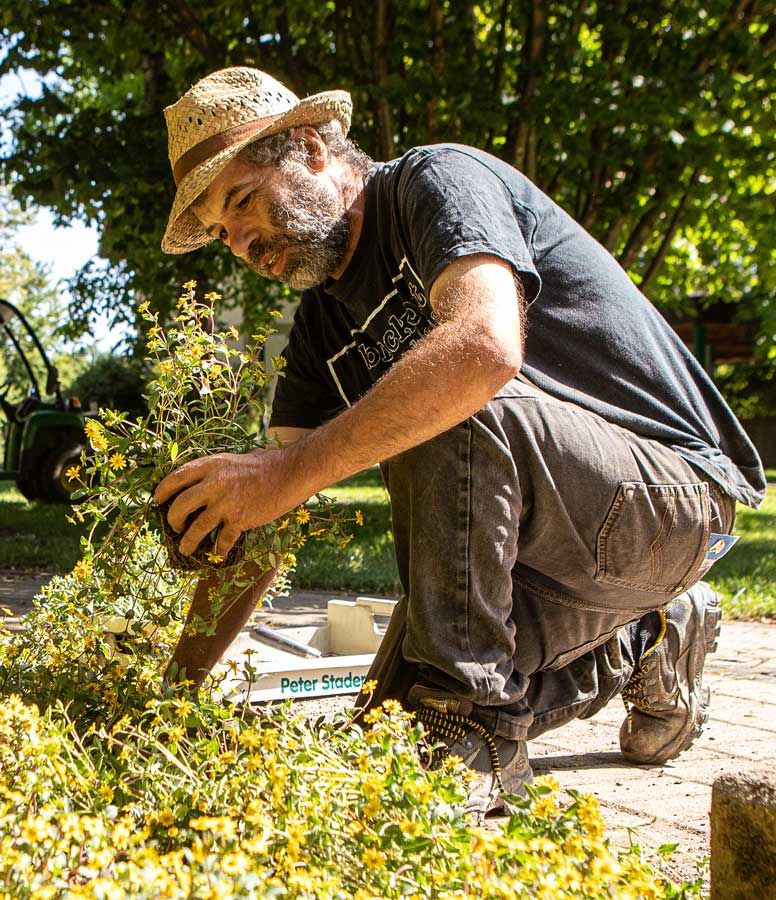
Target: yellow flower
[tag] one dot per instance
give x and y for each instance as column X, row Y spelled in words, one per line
column 410, row 828
column 372, row 807
column 83, row 570
column 73, row 472
column 117, row 461
column 166, row 817
column 250, row 738
column 184, row 707
column 276, row 314
column 34, row 831
column 373, row 859
column 189, row 285
column 303, row 515
column 214, row 558
column 419, row 790
column 70, row 826
column 369, row 687
column 269, row 739
column 235, row 863
column 373, row 786
column 212, row 296
column 359, row 517
column 96, row 435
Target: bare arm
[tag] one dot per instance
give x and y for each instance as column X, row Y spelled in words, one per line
column 475, row 348
column 473, row 351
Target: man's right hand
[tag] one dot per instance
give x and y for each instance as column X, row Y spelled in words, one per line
column 234, row 492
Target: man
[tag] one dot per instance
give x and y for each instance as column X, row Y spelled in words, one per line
column 557, row 462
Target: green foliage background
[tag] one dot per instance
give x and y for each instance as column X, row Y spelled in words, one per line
column 651, row 123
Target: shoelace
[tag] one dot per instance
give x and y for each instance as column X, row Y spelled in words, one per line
column 453, row 727
column 633, row 694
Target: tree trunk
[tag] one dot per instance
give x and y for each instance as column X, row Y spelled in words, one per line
column 642, row 230
column 436, row 21
column 380, row 77
column 659, row 257
column 532, row 52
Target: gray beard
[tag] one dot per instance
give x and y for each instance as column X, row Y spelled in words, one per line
column 321, row 232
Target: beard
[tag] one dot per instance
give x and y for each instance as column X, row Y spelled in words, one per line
column 318, row 232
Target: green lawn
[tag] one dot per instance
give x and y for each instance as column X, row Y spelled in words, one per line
column 746, row 577
column 35, row 537
column 367, row 565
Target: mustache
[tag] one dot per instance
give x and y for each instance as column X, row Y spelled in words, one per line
column 258, row 248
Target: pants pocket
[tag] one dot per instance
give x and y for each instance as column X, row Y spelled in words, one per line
column 654, row 537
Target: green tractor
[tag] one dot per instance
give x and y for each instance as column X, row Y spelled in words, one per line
column 44, row 435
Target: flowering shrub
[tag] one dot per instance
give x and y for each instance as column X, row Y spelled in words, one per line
column 183, row 800
column 114, row 786
column 207, row 397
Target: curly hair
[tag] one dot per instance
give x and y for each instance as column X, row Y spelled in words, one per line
column 284, row 148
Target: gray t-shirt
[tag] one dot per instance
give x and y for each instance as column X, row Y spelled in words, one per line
column 592, row 337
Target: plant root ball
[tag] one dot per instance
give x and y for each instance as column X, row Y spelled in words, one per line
column 201, row 558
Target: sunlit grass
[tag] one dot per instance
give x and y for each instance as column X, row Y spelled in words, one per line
column 746, row 577
column 36, row 537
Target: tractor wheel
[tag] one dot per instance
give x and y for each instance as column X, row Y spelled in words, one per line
column 28, row 487
column 53, row 483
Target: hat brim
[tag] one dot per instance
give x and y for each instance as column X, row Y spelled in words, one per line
column 184, row 231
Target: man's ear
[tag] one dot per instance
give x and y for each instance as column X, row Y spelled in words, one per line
column 317, row 154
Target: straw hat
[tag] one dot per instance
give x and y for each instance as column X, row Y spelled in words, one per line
column 219, row 116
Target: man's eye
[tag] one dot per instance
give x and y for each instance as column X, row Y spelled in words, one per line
column 245, row 200
column 222, row 235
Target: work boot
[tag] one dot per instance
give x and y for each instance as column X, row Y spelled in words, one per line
column 666, row 702
column 500, row 764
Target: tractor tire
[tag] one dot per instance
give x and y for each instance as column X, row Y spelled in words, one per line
column 53, row 485
column 27, row 480
column 28, row 487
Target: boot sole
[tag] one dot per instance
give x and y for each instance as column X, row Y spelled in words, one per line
column 712, row 621
column 709, row 633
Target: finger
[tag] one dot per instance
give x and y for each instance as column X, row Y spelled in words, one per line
column 176, row 481
column 185, row 504
column 226, row 539
column 199, row 529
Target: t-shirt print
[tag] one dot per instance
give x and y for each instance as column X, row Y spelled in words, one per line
column 397, row 323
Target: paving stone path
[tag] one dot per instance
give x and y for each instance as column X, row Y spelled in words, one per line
column 650, row 805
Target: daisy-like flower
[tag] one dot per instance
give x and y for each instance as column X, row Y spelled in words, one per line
column 410, row 828
column 359, row 517
column 373, row 859
column 303, row 516
column 72, row 473
column 96, row 435
column 189, row 285
column 117, row 461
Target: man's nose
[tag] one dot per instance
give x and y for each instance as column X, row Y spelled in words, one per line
column 239, row 240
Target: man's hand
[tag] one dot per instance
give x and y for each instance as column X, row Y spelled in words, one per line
column 234, row 491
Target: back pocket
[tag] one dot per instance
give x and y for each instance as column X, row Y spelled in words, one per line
column 654, row 537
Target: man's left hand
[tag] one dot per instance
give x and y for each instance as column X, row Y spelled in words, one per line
column 235, row 492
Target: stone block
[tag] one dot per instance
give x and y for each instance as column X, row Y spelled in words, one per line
column 743, row 837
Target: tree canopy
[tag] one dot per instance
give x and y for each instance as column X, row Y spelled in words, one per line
column 650, row 123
